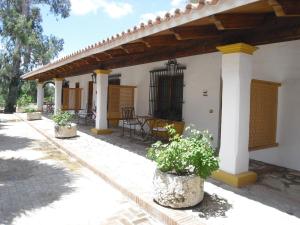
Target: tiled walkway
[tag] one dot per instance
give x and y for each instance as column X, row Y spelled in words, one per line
column 40, row 185
column 132, row 174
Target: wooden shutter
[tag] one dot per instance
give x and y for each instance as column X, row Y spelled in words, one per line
column 263, row 114
column 72, row 98
column 119, row 96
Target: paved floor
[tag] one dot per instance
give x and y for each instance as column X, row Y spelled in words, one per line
column 41, row 185
column 122, row 163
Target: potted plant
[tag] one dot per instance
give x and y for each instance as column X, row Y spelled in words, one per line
column 182, row 165
column 64, row 128
column 32, row 113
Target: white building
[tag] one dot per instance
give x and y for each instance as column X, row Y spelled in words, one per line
column 240, row 70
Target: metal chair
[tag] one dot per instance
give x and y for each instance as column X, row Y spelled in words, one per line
column 129, row 119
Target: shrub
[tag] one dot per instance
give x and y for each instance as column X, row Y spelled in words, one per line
column 193, row 154
column 63, row 118
column 30, row 109
column 24, row 100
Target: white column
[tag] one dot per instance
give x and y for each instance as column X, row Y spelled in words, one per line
column 236, row 74
column 101, row 102
column 58, row 94
column 40, row 96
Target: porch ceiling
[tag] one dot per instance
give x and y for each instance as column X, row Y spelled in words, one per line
column 195, row 31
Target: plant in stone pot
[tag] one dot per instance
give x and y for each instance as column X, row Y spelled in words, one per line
column 182, row 165
column 32, row 113
column 64, row 128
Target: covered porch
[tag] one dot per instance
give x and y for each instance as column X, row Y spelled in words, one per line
column 122, row 163
column 233, row 51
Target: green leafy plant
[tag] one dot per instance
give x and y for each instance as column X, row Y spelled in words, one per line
column 184, row 155
column 24, row 100
column 63, row 118
column 30, row 109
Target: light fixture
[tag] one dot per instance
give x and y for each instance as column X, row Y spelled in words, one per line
column 172, row 66
column 94, row 78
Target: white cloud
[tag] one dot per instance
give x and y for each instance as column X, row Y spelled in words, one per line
column 151, row 16
column 112, row 8
column 177, row 3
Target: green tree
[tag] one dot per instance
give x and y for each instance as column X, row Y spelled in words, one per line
column 23, row 46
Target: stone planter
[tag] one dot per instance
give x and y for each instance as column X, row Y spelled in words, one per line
column 177, row 191
column 34, row 116
column 65, row 131
column 20, row 109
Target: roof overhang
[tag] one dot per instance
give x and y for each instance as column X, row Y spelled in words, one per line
column 197, row 30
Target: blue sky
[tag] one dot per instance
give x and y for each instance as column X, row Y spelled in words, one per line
column 93, row 20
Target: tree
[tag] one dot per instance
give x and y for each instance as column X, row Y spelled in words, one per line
column 23, row 46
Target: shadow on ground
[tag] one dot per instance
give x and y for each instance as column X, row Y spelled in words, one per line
column 13, row 143
column 38, row 185
column 212, row 206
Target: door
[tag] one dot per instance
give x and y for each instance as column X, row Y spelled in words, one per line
column 90, row 96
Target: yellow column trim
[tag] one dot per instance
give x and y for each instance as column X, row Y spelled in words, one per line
column 101, row 131
column 102, row 72
column 238, row 47
column 38, row 82
column 58, row 78
column 235, row 180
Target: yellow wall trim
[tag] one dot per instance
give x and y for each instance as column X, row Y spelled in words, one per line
column 239, row 47
column 102, row 72
column 101, row 131
column 235, row 180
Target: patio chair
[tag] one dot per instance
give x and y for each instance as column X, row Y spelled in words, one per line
column 129, row 119
column 85, row 115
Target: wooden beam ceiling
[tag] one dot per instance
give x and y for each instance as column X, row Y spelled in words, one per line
column 237, row 21
column 285, row 7
column 158, row 41
column 195, row 32
column 189, row 40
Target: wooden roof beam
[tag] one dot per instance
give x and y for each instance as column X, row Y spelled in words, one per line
column 134, row 47
column 116, row 52
column 285, row 7
column 195, row 32
column 237, row 21
column 161, row 40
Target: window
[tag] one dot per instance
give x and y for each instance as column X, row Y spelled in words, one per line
column 166, row 93
column 263, row 114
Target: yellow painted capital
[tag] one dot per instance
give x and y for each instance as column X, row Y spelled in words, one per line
column 39, row 82
column 235, row 48
column 58, row 79
column 102, row 72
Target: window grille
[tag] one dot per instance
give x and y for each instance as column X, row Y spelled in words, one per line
column 166, row 92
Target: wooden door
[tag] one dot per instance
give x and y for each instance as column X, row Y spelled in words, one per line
column 263, row 114
column 90, row 96
column 77, row 97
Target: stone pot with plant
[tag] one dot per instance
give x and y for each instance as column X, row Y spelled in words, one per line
column 64, row 128
column 32, row 113
column 182, row 165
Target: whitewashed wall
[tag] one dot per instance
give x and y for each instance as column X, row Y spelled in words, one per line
column 280, row 63
column 203, row 73
column 275, row 62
